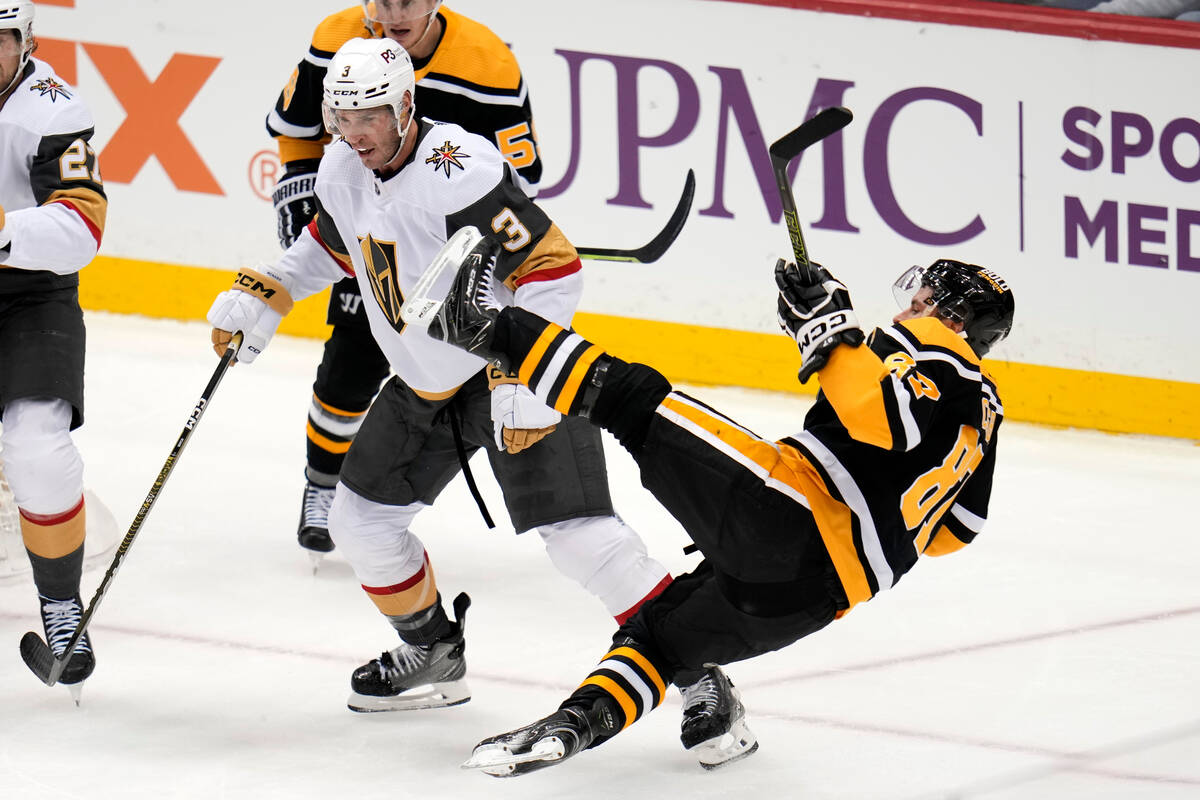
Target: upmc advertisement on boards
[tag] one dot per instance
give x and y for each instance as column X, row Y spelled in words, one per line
column 1069, row 166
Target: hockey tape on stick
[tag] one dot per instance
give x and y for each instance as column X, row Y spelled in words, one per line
column 820, row 126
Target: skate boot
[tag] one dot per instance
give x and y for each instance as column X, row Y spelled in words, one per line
column 313, row 531
column 714, row 723
column 412, row 676
column 549, row 741
column 60, row 618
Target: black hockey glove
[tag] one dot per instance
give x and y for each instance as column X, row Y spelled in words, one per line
column 817, row 314
column 295, row 200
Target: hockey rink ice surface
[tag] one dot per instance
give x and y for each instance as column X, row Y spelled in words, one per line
column 1057, row 657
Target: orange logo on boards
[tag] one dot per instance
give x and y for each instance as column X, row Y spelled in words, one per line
column 150, row 105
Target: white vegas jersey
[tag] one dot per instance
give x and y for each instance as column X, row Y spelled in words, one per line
column 388, row 231
column 50, row 189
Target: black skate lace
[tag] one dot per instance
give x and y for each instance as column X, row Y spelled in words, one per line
column 317, row 500
column 61, row 618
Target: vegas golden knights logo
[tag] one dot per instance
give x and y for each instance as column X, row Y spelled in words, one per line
column 380, row 258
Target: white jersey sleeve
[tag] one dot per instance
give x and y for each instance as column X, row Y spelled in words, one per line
column 50, row 186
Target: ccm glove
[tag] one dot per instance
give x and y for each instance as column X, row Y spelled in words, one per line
column 255, row 306
column 295, row 199
column 519, row 418
column 816, row 313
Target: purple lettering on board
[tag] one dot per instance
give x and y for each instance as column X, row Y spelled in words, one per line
column 878, row 178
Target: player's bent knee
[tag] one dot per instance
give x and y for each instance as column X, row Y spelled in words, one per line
column 606, row 557
column 375, row 538
column 41, row 463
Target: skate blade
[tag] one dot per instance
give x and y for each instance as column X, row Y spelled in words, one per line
column 427, row 296
column 76, row 691
column 437, row 695
column 731, row 746
column 499, row 760
column 315, row 557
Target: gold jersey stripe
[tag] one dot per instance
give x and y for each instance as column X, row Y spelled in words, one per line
column 787, row 466
column 863, row 413
column 297, row 149
column 643, row 662
column 88, row 202
column 566, row 397
column 943, row 542
column 337, row 412
column 551, row 252
column 325, row 443
column 537, row 352
column 619, row 694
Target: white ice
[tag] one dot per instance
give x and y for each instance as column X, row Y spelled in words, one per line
column 1058, row 656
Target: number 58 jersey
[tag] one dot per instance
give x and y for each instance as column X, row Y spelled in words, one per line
column 387, row 231
column 902, row 446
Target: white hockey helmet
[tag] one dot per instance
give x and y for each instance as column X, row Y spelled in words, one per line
column 17, row 15
column 391, row 12
column 368, row 73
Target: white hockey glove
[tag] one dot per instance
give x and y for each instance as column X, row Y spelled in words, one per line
column 255, row 306
column 519, row 418
column 295, row 200
column 816, row 313
column 5, row 234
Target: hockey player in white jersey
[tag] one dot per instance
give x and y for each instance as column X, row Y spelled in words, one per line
column 52, row 212
column 391, row 192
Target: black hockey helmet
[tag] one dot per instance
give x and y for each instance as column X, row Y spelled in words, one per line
column 968, row 294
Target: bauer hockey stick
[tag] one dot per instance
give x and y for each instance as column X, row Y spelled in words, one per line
column 820, row 126
column 34, row 651
column 654, row 249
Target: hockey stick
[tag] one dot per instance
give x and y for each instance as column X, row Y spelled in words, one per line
column 34, row 651
column 820, row 126
column 654, row 249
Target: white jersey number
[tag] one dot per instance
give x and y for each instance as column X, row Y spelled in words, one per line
column 518, row 235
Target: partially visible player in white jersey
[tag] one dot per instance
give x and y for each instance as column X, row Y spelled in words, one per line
column 391, row 193
column 52, row 211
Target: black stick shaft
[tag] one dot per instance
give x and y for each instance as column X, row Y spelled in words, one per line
column 820, row 126
column 152, row 496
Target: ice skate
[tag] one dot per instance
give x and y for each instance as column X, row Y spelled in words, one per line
column 412, row 677
column 60, row 618
column 313, row 530
column 714, row 723
column 549, row 741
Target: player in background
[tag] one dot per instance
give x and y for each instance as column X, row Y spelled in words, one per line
column 390, row 193
column 895, row 460
column 52, row 211
column 465, row 75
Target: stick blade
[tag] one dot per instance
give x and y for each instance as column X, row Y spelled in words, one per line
column 38, row 656
column 820, row 126
column 658, row 246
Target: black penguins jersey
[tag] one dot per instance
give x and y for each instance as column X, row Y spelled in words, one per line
column 903, row 442
column 472, row 79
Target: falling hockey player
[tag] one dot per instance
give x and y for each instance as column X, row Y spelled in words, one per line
column 389, row 193
column 895, row 460
column 52, row 212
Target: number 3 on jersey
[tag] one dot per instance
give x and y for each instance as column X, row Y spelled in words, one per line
column 518, row 235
